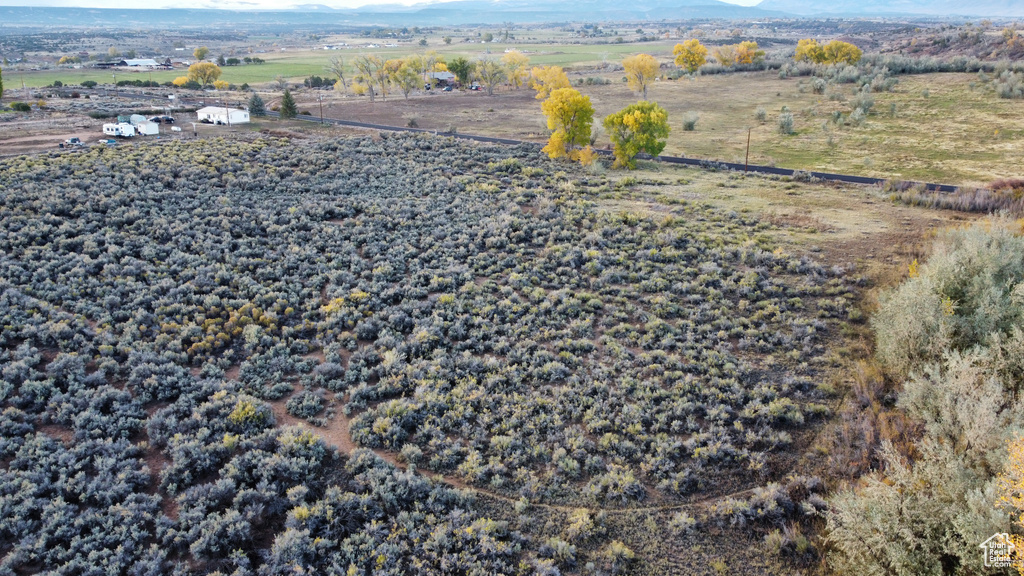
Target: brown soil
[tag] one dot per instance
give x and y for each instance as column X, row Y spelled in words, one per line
column 58, row 432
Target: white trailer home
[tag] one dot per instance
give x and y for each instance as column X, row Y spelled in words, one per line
column 221, row 115
column 122, row 129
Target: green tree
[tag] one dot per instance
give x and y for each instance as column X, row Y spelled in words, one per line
column 447, row 39
column 570, row 115
column 256, row 106
column 491, row 73
column 288, row 109
column 462, row 69
column 221, row 61
column 200, row 53
column 640, row 127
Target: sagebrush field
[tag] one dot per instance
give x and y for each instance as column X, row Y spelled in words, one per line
column 476, row 312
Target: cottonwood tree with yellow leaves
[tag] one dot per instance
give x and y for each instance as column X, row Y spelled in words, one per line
column 640, row 127
column 690, row 55
column 515, row 64
column 743, row 53
column 835, row 52
column 748, row 53
column 547, row 79
column 406, row 76
column 205, row 73
column 570, row 115
column 640, row 72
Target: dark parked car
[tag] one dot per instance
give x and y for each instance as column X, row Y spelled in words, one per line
column 447, row 88
column 162, row 119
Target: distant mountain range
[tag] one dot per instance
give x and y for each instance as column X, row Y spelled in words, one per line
column 456, row 12
column 867, row 8
column 425, row 14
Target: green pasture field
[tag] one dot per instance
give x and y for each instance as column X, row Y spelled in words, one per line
column 297, row 65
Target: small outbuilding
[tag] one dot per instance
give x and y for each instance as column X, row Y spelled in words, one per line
column 442, row 78
column 222, row 115
column 143, row 126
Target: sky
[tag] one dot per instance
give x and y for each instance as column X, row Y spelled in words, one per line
column 234, row 4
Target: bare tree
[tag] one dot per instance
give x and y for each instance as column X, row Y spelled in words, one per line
column 370, row 70
column 336, row 66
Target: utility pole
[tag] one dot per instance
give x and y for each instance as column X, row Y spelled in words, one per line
column 320, row 98
column 115, row 84
column 746, row 162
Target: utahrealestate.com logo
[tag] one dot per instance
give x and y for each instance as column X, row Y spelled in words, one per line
column 998, row 550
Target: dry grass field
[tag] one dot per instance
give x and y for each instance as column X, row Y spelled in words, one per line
column 946, row 128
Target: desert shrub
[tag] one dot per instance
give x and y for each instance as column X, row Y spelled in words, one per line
column 963, row 297
column 786, row 123
column 682, row 523
column 21, row 106
column 305, row 404
column 690, row 120
column 916, row 519
column 1010, row 84
column 863, row 101
column 985, row 200
column 558, row 550
column 618, row 556
column 952, row 333
column 761, row 115
column 818, row 85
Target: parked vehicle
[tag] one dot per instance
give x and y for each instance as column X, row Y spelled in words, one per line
column 74, row 142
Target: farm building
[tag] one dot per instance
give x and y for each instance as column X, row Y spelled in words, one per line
column 442, row 78
column 221, row 115
column 139, row 63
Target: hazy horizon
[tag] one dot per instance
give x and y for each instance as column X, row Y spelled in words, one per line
column 246, row 4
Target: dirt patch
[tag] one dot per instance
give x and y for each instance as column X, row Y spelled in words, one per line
column 335, row 434
column 58, row 432
column 799, row 221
